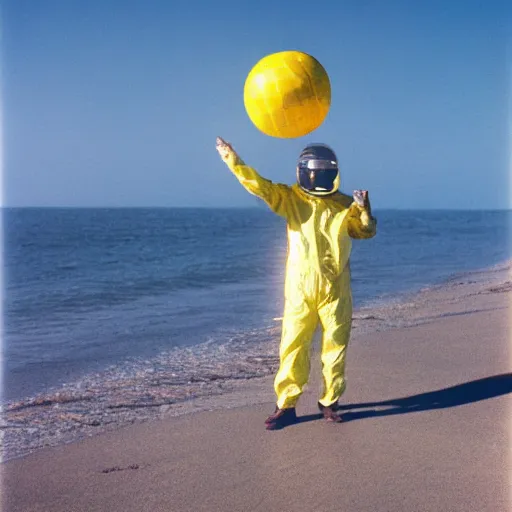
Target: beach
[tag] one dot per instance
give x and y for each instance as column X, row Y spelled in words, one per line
column 427, row 427
column 168, row 199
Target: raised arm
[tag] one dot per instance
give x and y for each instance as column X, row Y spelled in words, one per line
column 276, row 196
column 361, row 223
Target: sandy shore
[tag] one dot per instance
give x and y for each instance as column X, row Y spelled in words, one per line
column 428, row 420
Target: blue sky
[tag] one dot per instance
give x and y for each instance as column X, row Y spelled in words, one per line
column 118, row 103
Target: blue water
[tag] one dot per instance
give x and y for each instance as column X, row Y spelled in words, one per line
column 86, row 288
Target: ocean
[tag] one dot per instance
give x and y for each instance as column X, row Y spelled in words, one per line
column 89, row 292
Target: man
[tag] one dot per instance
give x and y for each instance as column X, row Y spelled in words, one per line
column 320, row 222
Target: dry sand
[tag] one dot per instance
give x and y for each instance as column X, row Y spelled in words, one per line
column 428, row 410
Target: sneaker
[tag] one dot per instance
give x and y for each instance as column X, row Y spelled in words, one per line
column 330, row 413
column 281, row 418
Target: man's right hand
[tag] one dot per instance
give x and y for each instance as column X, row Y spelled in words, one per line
column 224, row 149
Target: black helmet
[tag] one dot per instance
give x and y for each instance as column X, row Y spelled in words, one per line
column 317, row 170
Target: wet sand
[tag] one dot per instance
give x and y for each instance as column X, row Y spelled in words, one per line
column 428, row 417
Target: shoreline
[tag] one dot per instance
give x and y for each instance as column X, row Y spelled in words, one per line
column 210, row 377
column 426, row 428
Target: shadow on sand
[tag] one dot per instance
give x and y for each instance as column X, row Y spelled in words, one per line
column 461, row 394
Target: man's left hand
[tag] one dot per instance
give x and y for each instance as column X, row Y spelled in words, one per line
column 362, row 199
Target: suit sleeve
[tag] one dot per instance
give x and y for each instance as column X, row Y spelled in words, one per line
column 361, row 224
column 276, row 196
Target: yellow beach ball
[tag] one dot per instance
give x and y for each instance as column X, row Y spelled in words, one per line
column 287, row 94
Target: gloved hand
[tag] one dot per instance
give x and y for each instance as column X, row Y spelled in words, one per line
column 361, row 198
column 225, row 149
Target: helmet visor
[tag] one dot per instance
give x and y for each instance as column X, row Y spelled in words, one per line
column 317, row 180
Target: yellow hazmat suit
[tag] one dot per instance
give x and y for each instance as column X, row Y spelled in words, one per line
column 317, row 283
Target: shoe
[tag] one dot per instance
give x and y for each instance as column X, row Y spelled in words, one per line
column 330, row 413
column 281, row 418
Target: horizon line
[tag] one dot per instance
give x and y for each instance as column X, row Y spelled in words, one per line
column 258, row 207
